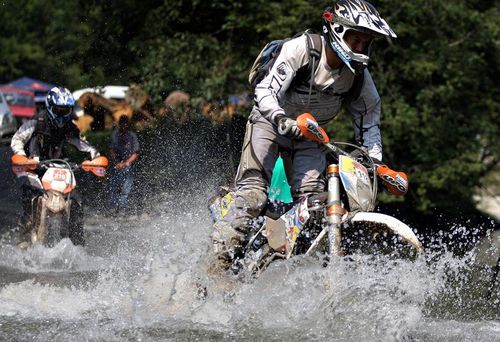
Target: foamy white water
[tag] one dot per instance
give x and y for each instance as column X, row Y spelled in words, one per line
column 140, row 279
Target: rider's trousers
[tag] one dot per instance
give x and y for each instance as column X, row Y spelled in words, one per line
column 262, row 146
column 120, row 184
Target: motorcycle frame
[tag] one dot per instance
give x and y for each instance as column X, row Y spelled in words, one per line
column 333, row 211
column 39, row 207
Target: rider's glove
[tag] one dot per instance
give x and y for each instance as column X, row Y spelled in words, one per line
column 288, row 127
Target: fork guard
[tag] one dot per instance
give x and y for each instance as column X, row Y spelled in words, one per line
column 393, row 225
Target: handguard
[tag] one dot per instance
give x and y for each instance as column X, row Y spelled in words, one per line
column 22, row 164
column 311, row 129
column 97, row 166
column 395, row 181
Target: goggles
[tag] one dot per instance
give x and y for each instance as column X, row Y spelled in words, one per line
column 62, row 110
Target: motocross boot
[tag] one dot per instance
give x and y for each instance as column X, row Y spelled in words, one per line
column 230, row 232
column 227, row 241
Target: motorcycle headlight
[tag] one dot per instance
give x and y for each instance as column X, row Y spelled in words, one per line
column 55, row 203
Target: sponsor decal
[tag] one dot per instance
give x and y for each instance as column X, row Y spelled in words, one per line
column 341, row 52
column 346, row 181
column 59, row 175
column 399, row 182
column 281, row 70
column 275, row 85
column 313, row 127
column 360, row 173
column 301, row 216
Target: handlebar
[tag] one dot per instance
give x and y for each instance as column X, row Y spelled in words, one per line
column 314, row 132
column 21, row 164
column 395, row 181
column 45, row 164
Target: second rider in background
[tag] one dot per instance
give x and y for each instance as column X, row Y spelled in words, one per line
column 43, row 138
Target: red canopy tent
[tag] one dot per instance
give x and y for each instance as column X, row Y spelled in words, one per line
column 39, row 88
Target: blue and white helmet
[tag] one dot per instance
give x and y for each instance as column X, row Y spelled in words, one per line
column 60, row 103
column 358, row 15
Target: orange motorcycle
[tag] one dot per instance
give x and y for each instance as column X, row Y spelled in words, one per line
column 55, row 211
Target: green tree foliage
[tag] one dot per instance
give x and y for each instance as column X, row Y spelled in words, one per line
column 437, row 80
column 74, row 43
column 40, row 40
column 206, row 48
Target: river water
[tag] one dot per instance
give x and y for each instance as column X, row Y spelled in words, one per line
column 149, row 277
column 142, row 278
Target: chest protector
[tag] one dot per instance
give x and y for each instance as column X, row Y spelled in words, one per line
column 48, row 137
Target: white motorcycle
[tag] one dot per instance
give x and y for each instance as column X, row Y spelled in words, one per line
column 55, row 213
column 315, row 225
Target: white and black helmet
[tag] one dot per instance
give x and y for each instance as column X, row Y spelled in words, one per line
column 358, row 15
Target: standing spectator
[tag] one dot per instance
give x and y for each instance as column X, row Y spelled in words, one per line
column 124, row 150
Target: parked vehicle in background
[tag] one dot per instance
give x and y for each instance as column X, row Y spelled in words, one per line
column 8, row 123
column 117, row 93
column 21, row 103
column 109, row 92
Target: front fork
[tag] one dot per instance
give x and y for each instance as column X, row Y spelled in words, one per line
column 333, row 214
column 334, row 211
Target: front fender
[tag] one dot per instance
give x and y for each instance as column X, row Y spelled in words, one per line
column 393, row 225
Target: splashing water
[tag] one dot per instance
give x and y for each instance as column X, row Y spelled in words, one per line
column 140, row 279
column 149, row 277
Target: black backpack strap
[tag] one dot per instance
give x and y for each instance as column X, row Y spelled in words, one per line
column 40, row 123
column 40, row 127
column 315, row 47
column 38, row 135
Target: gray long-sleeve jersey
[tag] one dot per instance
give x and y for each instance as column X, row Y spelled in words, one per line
column 274, row 96
column 24, row 134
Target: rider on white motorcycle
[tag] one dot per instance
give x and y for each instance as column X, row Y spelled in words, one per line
column 43, row 138
column 349, row 27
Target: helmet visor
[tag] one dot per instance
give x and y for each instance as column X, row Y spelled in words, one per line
column 61, row 110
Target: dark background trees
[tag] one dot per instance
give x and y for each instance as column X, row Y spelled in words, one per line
column 438, row 79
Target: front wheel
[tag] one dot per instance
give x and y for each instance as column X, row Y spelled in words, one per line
column 54, row 225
